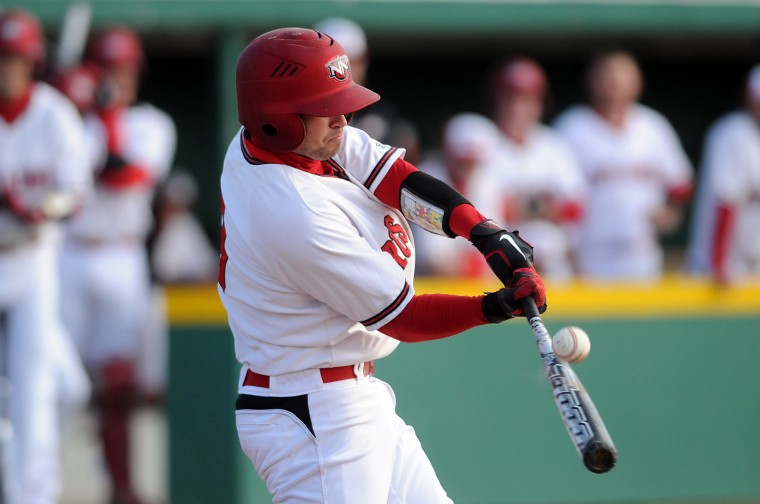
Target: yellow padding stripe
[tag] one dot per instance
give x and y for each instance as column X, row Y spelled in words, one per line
column 674, row 296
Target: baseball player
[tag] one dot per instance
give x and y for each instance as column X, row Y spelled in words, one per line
column 104, row 264
column 316, row 274
column 542, row 186
column 724, row 241
column 43, row 177
column 638, row 175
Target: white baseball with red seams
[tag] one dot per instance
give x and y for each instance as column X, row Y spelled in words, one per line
column 571, row 344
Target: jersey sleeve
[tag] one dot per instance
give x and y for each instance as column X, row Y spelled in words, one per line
column 323, row 256
column 366, row 159
column 677, row 169
column 724, row 163
column 72, row 171
column 157, row 141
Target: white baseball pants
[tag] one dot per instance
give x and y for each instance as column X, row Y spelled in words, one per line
column 357, row 449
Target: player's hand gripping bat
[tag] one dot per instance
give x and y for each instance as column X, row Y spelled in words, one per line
column 583, row 422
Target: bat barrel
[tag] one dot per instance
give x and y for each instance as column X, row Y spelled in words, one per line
column 578, row 412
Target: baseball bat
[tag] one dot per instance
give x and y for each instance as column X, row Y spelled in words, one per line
column 584, row 424
column 72, row 37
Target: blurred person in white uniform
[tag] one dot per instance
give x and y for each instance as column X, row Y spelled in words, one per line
column 181, row 252
column 468, row 144
column 43, row 178
column 105, row 268
column 725, row 237
column 639, row 178
column 542, row 186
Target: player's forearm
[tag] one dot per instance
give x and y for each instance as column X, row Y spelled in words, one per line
column 405, row 182
column 435, row 316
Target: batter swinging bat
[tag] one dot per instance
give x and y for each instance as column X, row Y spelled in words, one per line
column 578, row 412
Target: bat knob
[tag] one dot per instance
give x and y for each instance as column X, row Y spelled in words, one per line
column 599, row 457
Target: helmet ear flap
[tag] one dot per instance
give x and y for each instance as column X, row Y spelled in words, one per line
column 282, row 132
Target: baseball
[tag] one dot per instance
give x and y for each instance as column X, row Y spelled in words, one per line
column 571, row 344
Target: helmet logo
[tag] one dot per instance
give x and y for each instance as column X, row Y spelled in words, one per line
column 338, row 68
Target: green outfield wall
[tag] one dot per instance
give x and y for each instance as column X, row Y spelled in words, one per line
column 677, row 386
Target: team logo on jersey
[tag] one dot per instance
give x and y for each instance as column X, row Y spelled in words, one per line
column 398, row 245
column 338, row 68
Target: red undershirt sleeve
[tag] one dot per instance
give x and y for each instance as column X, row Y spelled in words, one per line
column 724, row 224
column 435, row 316
column 389, row 189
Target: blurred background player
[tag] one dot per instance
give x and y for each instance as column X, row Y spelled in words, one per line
column 724, row 241
column 180, row 249
column 468, row 143
column 105, row 267
column 380, row 120
column 43, row 177
column 541, row 184
column 180, row 252
column 638, row 175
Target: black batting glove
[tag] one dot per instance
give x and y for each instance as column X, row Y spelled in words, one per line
column 506, row 303
column 504, row 251
column 114, row 162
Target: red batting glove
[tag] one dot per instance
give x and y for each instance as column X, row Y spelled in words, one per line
column 527, row 282
column 505, row 303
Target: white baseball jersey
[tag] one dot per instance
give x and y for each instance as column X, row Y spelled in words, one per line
column 544, row 166
column 312, row 265
column 629, row 171
column 456, row 257
column 730, row 175
column 41, row 152
column 149, row 141
column 104, row 265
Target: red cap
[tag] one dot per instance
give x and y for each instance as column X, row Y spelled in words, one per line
column 79, row 84
column 520, row 75
column 292, row 71
column 116, row 46
column 20, row 33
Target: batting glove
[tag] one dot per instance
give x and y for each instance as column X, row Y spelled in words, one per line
column 505, row 304
column 504, row 251
column 20, row 210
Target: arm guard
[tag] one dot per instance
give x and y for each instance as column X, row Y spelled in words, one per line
column 428, row 202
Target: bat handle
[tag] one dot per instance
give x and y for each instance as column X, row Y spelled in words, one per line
column 529, row 308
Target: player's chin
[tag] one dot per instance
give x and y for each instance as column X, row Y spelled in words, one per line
column 328, row 151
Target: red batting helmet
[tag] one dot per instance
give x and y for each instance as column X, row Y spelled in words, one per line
column 116, row 46
column 520, row 75
column 20, row 33
column 292, row 71
column 79, row 84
